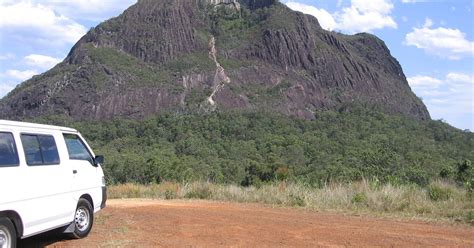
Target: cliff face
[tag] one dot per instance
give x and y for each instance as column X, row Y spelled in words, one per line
column 215, row 55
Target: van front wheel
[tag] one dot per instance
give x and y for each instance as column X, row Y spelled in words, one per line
column 83, row 219
column 7, row 233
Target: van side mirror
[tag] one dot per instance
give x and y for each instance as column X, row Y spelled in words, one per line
column 99, row 160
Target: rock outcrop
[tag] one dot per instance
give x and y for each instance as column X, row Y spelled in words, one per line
column 193, row 55
column 234, row 4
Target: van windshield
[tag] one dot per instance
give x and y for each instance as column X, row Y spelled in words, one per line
column 8, row 152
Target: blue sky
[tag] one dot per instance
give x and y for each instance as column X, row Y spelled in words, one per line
column 432, row 40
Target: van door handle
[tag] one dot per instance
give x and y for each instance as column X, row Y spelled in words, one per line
column 74, row 172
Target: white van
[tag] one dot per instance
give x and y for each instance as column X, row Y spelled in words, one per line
column 49, row 178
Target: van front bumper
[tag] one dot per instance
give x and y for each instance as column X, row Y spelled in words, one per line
column 104, row 197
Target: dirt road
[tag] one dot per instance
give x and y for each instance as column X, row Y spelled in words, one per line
column 148, row 223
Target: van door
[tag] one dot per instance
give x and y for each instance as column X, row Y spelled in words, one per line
column 86, row 176
column 44, row 184
column 10, row 171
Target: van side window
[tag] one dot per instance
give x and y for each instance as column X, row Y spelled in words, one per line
column 40, row 149
column 76, row 148
column 8, row 152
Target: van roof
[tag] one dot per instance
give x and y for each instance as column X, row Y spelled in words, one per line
column 33, row 125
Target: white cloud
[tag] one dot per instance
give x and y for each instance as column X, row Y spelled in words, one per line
column 424, row 82
column 4, row 89
column 428, row 23
column 365, row 16
column 47, row 27
column 460, row 78
column 450, row 82
column 450, row 97
column 93, row 10
column 444, row 42
column 360, row 16
column 41, row 61
column 20, row 75
column 325, row 18
column 40, row 21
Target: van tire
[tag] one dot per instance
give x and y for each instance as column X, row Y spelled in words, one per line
column 83, row 219
column 7, row 232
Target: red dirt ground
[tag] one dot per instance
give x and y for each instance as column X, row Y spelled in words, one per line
column 156, row 223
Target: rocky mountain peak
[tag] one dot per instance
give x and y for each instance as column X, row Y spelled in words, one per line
column 182, row 56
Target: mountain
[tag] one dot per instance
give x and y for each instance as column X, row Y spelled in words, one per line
column 206, row 55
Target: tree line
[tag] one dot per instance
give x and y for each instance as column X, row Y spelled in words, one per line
column 251, row 148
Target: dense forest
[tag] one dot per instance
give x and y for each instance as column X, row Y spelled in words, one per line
column 251, row 148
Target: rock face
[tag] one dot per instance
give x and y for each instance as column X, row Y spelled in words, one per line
column 256, row 4
column 229, row 3
column 215, row 55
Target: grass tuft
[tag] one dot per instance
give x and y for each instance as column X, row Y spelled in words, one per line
column 439, row 201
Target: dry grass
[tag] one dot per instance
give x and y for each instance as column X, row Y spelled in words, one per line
column 439, row 201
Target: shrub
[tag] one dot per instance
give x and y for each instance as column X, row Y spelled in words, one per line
column 199, row 191
column 470, row 188
column 170, row 190
column 447, row 172
column 170, row 195
column 360, row 198
column 282, row 173
column 296, row 201
column 470, row 217
column 438, row 192
column 465, row 172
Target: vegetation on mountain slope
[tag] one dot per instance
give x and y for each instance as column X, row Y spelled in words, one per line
column 251, row 148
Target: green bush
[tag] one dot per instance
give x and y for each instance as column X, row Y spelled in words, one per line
column 470, row 217
column 297, row 200
column 169, row 194
column 465, row 173
column 199, row 191
column 447, row 172
column 360, row 198
column 438, row 192
column 282, row 173
column 470, row 188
